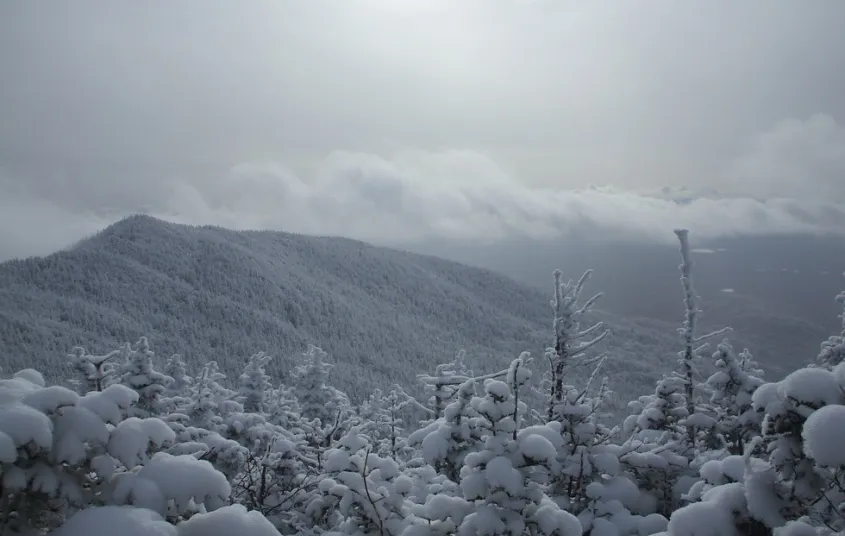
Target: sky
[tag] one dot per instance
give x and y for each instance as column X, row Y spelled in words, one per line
column 395, row 120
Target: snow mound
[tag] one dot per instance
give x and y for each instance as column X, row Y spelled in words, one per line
column 228, row 521
column 824, row 435
column 114, row 521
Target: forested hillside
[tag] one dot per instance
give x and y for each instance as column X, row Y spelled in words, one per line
column 209, row 293
column 530, row 448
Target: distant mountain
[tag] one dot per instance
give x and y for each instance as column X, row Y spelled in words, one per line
column 210, row 293
column 777, row 292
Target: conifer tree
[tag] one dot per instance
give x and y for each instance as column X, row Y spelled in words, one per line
column 138, row 373
column 255, row 384
column 177, row 370
column 504, row 480
column 733, row 386
column 97, row 372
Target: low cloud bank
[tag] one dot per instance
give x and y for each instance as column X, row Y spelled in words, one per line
column 414, row 195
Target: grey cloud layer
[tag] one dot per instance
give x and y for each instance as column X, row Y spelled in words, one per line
column 412, row 196
column 564, row 93
column 110, row 107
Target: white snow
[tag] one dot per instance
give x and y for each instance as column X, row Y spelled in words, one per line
column 824, row 436
column 180, row 479
column 228, row 521
column 75, row 428
column 537, row 448
column 114, row 521
column 49, row 399
column 501, row 473
column 32, row 376
column 110, row 403
column 702, row 519
column 132, row 438
column 811, row 386
column 24, row 424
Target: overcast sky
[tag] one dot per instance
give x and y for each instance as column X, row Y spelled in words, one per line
column 450, row 117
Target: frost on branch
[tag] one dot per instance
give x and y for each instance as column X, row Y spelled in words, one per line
column 697, row 423
column 442, row 386
column 571, row 340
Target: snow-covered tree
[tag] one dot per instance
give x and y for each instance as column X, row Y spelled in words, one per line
column 447, row 441
column 177, row 370
column 833, row 349
column 255, row 384
column 61, row 452
column 138, row 374
column 586, row 454
column 382, row 421
column 326, row 411
column 442, row 386
column 363, row 494
column 699, row 422
column 571, row 340
column 96, row 371
column 656, row 450
column 733, row 385
column 795, row 483
column 134, row 521
column 209, row 400
column 277, row 482
column 283, row 409
column 802, row 436
column 504, row 480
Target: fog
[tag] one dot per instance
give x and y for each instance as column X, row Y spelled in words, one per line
column 400, row 121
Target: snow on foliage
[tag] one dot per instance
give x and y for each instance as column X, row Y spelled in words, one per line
column 61, row 452
column 824, row 435
column 127, row 520
column 833, row 349
column 503, row 480
column 733, row 386
column 138, row 374
column 167, row 454
column 228, row 521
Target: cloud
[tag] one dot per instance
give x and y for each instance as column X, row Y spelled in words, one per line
column 797, row 159
column 564, row 93
column 32, row 225
column 412, row 195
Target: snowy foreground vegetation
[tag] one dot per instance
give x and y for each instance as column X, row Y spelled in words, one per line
column 126, row 448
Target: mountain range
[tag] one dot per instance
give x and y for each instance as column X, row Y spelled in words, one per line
column 208, row 293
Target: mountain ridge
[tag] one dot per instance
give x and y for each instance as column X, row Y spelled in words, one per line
column 383, row 314
column 209, row 293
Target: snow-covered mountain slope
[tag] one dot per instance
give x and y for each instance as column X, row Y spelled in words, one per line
column 210, row 293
